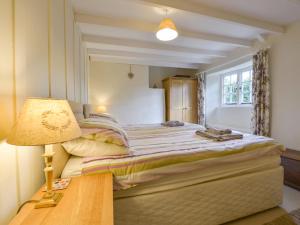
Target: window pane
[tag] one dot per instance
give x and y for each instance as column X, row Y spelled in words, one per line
column 227, row 99
column 246, row 90
column 246, row 87
column 234, row 98
column 246, row 98
column 233, row 79
column 226, row 80
column 227, row 89
column 246, row 76
column 237, row 88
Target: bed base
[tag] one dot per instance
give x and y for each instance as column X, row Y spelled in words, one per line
column 210, row 203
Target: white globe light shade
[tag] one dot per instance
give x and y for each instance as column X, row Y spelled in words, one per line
column 166, row 34
column 167, row 30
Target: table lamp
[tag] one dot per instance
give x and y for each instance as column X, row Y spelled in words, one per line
column 43, row 122
column 101, row 109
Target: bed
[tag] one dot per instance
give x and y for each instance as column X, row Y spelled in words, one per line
column 214, row 189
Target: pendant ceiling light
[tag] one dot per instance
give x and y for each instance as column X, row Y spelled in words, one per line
column 167, row 30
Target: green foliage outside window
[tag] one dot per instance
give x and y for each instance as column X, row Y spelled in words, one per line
column 237, row 88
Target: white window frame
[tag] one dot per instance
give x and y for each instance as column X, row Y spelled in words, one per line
column 239, row 73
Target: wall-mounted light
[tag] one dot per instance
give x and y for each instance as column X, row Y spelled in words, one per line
column 101, row 109
column 130, row 74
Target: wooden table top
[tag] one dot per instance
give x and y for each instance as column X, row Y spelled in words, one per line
column 88, row 200
column 291, row 154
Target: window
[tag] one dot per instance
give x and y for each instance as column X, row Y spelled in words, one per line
column 237, row 87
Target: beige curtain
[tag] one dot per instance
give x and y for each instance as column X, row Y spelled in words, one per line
column 201, row 98
column 261, row 94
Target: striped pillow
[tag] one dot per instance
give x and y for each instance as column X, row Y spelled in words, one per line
column 106, row 135
column 103, row 115
column 105, row 130
column 89, row 148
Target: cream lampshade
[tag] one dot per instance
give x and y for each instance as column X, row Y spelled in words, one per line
column 43, row 122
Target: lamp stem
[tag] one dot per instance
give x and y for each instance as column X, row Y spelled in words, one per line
column 48, row 156
column 50, row 198
column 49, row 181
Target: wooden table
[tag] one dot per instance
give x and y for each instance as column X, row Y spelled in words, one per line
column 88, row 200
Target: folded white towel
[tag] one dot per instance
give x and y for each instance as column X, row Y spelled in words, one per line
column 173, row 123
column 218, row 131
column 216, row 137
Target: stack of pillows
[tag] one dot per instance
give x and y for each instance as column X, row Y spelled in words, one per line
column 102, row 136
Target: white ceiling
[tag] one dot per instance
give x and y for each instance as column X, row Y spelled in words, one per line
column 281, row 12
column 124, row 30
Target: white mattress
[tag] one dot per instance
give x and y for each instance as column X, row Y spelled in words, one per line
column 210, row 171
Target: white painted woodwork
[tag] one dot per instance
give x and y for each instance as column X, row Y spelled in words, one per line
column 128, row 54
column 207, row 28
column 150, row 45
column 190, row 6
column 144, row 62
column 152, row 28
column 36, row 60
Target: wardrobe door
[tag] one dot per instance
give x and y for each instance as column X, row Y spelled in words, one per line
column 190, row 101
column 176, row 100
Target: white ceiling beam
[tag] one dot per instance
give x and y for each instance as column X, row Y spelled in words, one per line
column 150, row 45
column 134, row 61
column 261, row 38
column 143, row 50
column 147, row 56
column 150, row 27
column 205, row 10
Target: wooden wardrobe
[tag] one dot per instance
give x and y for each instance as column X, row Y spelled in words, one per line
column 181, row 99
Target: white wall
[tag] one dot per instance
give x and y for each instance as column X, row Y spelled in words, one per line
column 285, row 80
column 129, row 100
column 36, row 60
column 157, row 74
column 237, row 118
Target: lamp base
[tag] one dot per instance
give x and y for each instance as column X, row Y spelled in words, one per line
column 46, row 201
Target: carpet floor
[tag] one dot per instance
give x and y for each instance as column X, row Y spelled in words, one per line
column 276, row 216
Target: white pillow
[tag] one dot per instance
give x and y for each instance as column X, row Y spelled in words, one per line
column 77, row 109
column 89, row 148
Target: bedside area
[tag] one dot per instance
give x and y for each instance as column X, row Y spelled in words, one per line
column 88, row 200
